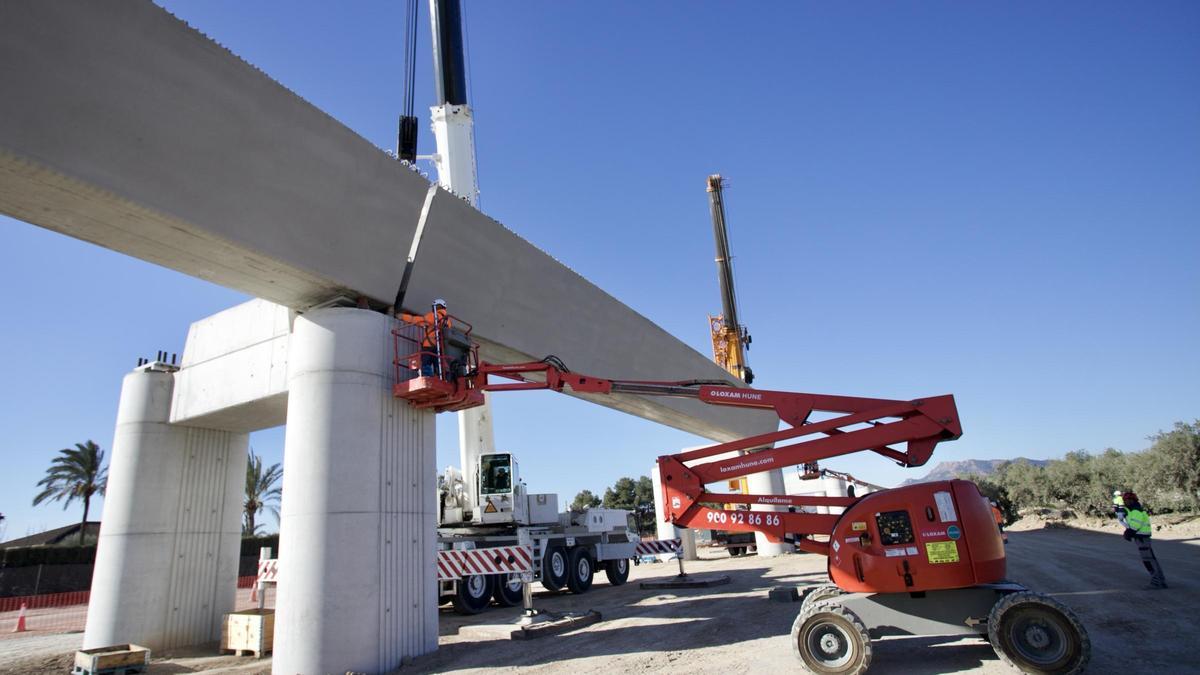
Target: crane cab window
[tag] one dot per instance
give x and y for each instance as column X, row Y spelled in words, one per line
column 495, row 474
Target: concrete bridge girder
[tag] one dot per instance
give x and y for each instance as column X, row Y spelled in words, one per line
column 127, row 128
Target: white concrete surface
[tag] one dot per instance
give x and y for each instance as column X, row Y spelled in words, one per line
column 357, row 588
column 166, row 565
column 125, row 127
column 234, row 370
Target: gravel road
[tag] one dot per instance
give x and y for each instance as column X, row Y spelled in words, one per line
column 733, row 628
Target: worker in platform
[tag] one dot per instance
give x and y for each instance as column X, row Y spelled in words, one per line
column 1133, row 516
column 435, row 323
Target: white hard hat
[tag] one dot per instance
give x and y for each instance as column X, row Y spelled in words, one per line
column 440, row 302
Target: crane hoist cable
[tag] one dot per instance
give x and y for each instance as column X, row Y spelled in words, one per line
column 406, row 142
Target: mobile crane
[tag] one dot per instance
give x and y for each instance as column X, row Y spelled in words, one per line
column 923, row 559
column 730, row 339
column 730, row 342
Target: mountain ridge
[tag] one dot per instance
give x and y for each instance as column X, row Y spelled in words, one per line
column 980, row 467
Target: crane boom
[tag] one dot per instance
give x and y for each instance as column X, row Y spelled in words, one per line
column 729, row 337
column 716, row 201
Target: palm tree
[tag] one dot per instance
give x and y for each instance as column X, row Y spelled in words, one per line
column 77, row 473
column 262, row 491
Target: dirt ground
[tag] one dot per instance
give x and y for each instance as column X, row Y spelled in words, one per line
column 734, row 628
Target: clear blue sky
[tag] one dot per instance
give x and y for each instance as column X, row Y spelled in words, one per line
column 1000, row 201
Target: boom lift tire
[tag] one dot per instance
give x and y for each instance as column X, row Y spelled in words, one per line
column 472, row 594
column 617, row 571
column 554, row 568
column 1035, row 633
column 509, row 592
column 831, row 640
column 581, row 569
column 820, row 593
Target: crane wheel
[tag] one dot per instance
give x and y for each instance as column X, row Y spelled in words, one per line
column 472, row 594
column 509, row 591
column 554, row 568
column 617, row 571
column 818, row 594
column 1035, row 633
column 582, row 568
column 831, row 640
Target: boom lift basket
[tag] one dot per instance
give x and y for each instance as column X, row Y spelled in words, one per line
column 437, row 377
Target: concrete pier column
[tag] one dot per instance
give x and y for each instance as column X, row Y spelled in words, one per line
column 665, row 530
column 767, row 483
column 167, row 563
column 357, row 530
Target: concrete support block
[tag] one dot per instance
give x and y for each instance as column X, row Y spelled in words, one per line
column 357, row 536
column 166, row 567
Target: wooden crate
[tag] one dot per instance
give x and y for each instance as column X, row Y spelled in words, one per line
column 251, row 632
column 117, row 659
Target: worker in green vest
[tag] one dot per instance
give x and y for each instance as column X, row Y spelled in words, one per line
column 1137, row 529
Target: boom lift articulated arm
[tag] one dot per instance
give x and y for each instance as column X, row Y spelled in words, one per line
column 849, row 424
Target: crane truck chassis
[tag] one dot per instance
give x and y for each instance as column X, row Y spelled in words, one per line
column 566, row 550
column 925, row 559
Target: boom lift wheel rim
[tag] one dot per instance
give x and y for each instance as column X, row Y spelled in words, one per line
column 831, row 639
column 1036, row 633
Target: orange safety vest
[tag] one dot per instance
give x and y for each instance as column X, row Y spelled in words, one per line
column 431, row 323
column 998, row 516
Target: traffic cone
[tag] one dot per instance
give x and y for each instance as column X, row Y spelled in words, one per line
column 20, row 627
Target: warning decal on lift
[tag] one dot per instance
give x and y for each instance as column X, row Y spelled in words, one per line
column 942, row 552
column 490, row 508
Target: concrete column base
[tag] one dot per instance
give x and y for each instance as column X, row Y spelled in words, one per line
column 167, row 562
column 357, row 583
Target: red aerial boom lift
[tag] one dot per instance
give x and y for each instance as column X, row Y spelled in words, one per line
column 925, row 559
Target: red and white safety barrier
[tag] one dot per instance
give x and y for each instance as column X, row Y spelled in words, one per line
column 456, row 564
column 268, row 571
column 46, row 613
column 658, row 546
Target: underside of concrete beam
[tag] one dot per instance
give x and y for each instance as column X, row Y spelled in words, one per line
column 125, row 127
